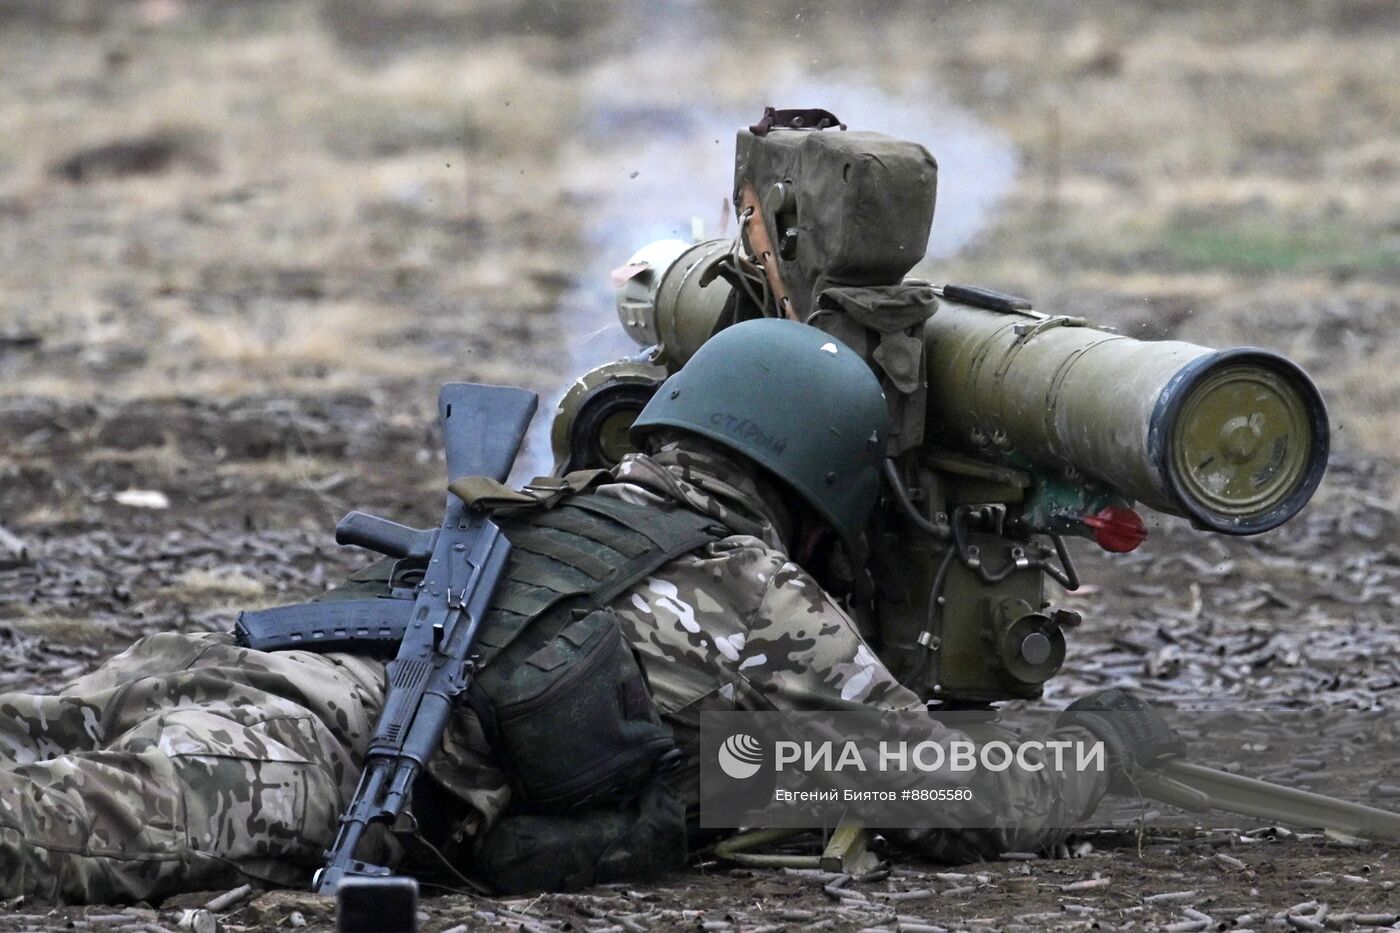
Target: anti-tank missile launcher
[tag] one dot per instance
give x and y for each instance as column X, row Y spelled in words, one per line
column 1013, row 428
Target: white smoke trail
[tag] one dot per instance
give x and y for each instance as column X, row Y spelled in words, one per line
column 674, row 171
column 657, row 162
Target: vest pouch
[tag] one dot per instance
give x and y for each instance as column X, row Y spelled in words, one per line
column 565, row 852
column 575, row 724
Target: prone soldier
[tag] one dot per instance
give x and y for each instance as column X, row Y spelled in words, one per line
column 726, row 565
column 696, row 576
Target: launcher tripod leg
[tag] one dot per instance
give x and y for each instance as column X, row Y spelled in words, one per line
column 846, row 852
column 736, row 849
column 1196, row 787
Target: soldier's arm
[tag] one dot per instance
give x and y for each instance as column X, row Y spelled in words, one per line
column 803, row 652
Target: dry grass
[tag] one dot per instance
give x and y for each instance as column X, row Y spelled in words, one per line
column 382, row 216
column 298, row 130
column 161, row 462
column 50, row 514
column 221, row 587
column 67, row 629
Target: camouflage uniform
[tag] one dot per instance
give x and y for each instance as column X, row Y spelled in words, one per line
column 738, row 626
column 188, row 763
column 183, row 763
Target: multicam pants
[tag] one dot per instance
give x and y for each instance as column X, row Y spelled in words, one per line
column 183, row 763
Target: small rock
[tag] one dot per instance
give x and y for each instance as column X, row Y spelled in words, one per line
column 142, row 499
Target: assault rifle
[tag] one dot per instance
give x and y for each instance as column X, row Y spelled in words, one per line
column 482, row 428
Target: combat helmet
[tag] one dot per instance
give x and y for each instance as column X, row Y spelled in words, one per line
column 796, row 401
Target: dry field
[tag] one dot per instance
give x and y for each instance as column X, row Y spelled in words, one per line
column 242, row 244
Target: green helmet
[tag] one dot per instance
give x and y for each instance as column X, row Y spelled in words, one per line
column 793, row 399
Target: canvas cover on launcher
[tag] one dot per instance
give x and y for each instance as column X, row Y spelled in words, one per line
column 841, row 208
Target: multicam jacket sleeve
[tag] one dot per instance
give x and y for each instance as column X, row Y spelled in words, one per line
column 738, row 626
column 740, row 621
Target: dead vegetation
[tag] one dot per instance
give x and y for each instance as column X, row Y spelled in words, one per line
column 240, row 244
column 161, row 151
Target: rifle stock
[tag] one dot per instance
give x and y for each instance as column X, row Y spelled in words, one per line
column 482, row 427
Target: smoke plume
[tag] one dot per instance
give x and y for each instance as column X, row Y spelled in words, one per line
column 655, row 159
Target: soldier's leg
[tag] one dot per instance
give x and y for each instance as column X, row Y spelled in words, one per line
column 208, row 765
column 201, row 798
column 33, row 728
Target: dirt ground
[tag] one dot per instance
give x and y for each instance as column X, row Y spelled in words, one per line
column 242, row 244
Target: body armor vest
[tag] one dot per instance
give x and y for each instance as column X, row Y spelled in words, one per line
column 589, row 547
column 558, row 690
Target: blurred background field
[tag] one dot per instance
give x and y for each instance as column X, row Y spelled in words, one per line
column 223, row 199
column 242, row 243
